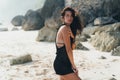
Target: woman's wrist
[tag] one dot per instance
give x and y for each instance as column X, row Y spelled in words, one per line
column 73, row 66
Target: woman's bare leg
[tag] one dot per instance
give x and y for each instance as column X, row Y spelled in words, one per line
column 71, row 76
column 61, row 78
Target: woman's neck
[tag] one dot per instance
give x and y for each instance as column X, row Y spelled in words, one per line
column 67, row 24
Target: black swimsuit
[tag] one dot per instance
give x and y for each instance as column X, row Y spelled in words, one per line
column 62, row 63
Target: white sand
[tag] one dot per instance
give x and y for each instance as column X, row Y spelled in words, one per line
column 16, row 43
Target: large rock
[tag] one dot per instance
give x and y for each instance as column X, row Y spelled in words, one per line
column 91, row 9
column 100, row 21
column 18, row 20
column 78, row 40
column 105, row 28
column 116, row 51
column 48, row 32
column 81, row 47
column 51, row 14
column 108, row 39
column 82, row 37
column 49, row 7
column 57, row 15
column 33, row 21
column 21, row 59
column 89, row 30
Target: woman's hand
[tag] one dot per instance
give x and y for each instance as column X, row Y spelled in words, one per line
column 75, row 69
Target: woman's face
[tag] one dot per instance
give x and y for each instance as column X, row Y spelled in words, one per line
column 68, row 18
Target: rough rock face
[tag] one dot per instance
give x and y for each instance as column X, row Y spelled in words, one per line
column 108, row 39
column 89, row 30
column 48, row 32
column 100, row 21
column 49, row 7
column 33, row 21
column 18, row 20
column 100, row 29
column 51, row 14
column 52, row 9
column 116, row 51
column 91, row 9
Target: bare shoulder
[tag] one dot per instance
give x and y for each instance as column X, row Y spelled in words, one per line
column 63, row 29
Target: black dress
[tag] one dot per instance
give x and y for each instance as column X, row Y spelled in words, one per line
column 62, row 63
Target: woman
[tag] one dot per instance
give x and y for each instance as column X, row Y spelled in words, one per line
column 65, row 43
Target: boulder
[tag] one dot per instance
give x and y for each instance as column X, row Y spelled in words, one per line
column 21, row 59
column 89, row 30
column 57, row 15
column 102, row 57
column 33, row 21
column 78, row 44
column 100, row 21
column 48, row 32
column 18, row 20
column 116, row 51
column 86, row 35
column 52, row 20
column 100, row 29
column 91, row 9
column 107, row 39
column 81, row 47
column 82, row 39
column 49, row 7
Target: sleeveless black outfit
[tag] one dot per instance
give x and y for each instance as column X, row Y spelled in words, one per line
column 62, row 63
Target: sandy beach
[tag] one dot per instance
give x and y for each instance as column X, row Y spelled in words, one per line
column 92, row 64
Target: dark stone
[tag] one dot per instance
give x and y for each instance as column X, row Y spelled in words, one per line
column 33, row 21
column 116, row 51
column 18, row 20
column 112, row 79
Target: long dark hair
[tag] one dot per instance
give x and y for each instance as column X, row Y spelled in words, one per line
column 76, row 25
